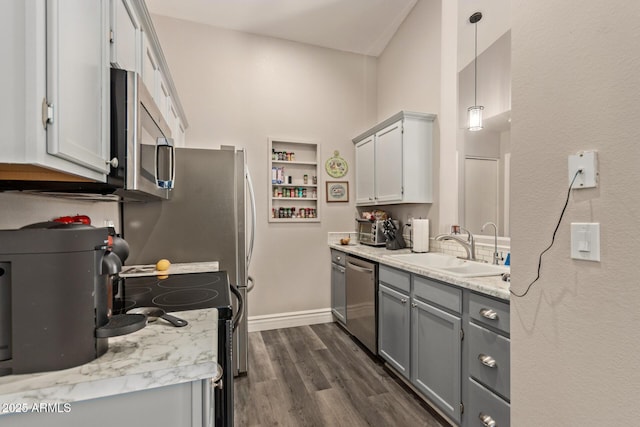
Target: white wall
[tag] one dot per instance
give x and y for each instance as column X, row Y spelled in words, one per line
column 18, row 210
column 575, row 336
column 240, row 89
column 417, row 72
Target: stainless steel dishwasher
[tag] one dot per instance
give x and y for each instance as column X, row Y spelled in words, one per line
column 362, row 278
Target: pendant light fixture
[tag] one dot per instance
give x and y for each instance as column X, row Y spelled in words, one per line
column 475, row 112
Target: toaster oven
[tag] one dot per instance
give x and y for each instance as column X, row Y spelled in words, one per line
column 371, row 232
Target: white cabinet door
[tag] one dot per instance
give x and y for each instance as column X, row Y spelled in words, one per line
column 365, row 158
column 388, row 165
column 78, row 82
column 150, row 68
column 125, row 36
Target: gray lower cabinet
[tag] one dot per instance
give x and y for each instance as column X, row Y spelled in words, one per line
column 174, row 405
column 394, row 317
column 450, row 343
column 436, row 356
column 338, row 288
column 488, row 362
column 419, row 335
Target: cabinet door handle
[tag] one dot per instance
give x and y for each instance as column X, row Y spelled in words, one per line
column 487, row 360
column 487, row 313
column 403, row 300
column 414, row 305
column 487, row 421
column 338, row 258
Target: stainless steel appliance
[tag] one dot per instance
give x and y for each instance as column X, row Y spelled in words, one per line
column 371, row 232
column 180, row 292
column 206, row 219
column 142, row 151
column 54, row 297
column 361, row 283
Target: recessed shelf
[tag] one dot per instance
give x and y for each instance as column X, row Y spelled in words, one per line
column 283, row 209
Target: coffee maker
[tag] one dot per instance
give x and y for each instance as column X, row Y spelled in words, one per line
column 55, row 301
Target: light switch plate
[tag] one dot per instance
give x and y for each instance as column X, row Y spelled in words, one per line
column 585, row 241
column 588, row 162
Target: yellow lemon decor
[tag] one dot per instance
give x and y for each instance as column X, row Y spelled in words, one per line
column 163, row 265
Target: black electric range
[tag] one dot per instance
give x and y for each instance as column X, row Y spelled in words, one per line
column 192, row 291
column 177, row 292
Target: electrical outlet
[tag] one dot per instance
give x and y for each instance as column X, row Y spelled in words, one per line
column 587, row 162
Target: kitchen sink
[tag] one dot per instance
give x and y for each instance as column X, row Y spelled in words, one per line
column 451, row 265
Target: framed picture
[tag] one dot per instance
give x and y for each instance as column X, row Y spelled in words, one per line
column 337, row 191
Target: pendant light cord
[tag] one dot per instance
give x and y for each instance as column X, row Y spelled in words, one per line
column 475, row 67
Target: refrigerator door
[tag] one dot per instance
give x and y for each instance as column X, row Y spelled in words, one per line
column 204, row 220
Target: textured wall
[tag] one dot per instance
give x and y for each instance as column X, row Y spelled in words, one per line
column 575, row 336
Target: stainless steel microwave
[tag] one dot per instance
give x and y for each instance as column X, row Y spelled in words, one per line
column 142, row 151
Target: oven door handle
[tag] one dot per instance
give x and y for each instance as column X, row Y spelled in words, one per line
column 238, row 316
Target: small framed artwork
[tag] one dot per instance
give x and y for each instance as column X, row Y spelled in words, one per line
column 337, row 191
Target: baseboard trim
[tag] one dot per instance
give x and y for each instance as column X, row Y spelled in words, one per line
column 289, row 320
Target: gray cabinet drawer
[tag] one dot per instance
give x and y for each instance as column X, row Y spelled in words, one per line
column 493, row 349
column 338, row 257
column 445, row 296
column 490, row 312
column 484, row 406
column 397, row 278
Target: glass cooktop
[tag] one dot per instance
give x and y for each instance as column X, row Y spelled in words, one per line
column 177, row 292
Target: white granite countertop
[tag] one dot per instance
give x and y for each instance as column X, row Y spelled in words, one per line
column 492, row 285
column 177, row 268
column 157, row 355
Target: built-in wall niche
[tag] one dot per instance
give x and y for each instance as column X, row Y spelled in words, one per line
column 484, row 156
column 294, row 181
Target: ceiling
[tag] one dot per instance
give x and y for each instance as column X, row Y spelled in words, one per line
column 360, row 26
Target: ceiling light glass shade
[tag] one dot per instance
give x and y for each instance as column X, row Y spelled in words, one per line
column 475, row 117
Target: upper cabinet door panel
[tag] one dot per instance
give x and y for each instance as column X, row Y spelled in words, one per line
column 77, row 81
column 125, row 36
column 389, row 166
column 365, row 157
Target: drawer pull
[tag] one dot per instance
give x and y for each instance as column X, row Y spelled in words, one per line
column 487, row 360
column 338, row 258
column 487, row 313
column 403, row 300
column 487, row 421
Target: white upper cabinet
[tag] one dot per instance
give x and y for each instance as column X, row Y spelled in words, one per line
column 78, row 82
column 150, row 68
column 394, row 161
column 365, row 191
column 57, row 88
column 126, row 48
column 388, row 170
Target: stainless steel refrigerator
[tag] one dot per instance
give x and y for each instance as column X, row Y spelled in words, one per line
column 210, row 216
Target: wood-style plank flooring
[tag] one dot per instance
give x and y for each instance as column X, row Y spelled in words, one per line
column 318, row 376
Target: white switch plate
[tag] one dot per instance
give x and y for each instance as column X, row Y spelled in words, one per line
column 588, row 162
column 585, row 241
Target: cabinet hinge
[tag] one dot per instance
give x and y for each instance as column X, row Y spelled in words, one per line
column 461, row 408
column 47, row 113
column 111, row 40
column 461, row 334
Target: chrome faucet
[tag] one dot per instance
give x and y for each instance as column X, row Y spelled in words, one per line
column 496, row 256
column 469, row 244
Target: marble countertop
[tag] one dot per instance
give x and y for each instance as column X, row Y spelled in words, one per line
column 492, row 285
column 177, row 268
column 155, row 356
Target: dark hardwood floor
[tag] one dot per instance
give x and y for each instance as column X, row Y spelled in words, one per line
column 318, row 376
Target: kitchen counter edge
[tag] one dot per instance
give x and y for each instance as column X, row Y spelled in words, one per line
column 156, row 356
column 493, row 285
